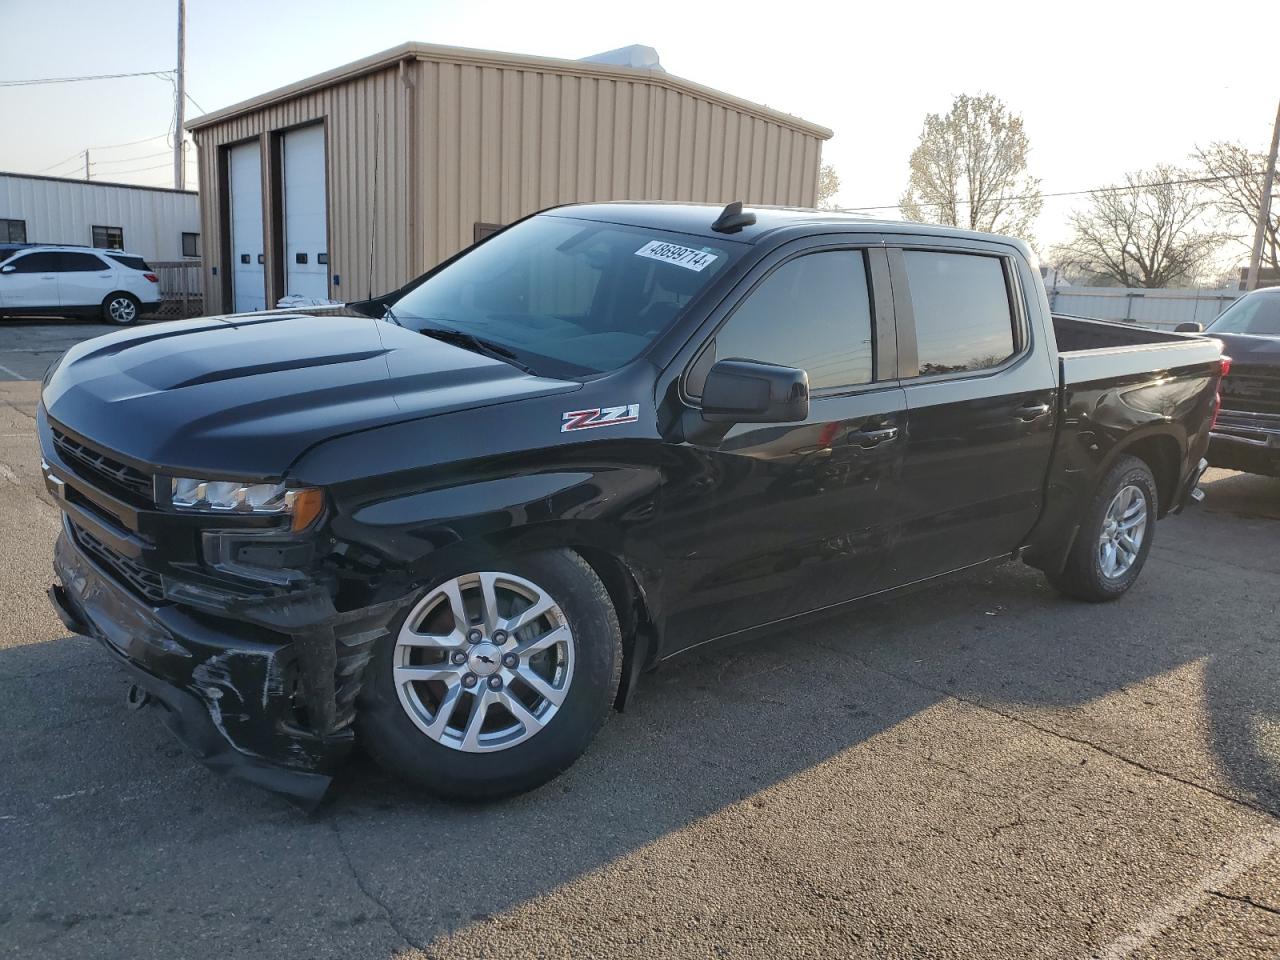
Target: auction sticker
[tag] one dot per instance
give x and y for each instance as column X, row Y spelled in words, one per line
column 686, row 257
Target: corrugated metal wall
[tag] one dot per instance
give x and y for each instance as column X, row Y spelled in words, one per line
column 368, row 171
column 455, row 143
column 66, row 211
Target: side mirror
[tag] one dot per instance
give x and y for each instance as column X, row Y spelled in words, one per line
column 9, row 269
column 747, row 391
column 1189, row 327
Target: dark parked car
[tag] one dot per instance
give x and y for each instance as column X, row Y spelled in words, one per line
column 1247, row 434
column 459, row 531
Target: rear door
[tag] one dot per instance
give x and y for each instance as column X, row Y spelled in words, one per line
column 774, row 520
column 33, row 282
column 84, row 279
column 981, row 404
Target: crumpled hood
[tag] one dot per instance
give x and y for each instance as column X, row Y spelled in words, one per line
column 246, row 395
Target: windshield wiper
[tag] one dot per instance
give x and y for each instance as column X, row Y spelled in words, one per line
column 470, row 341
column 391, row 315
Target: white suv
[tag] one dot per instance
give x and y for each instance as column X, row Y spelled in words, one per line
column 62, row 281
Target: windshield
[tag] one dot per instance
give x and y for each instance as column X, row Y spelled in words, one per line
column 565, row 296
column 1257, row 314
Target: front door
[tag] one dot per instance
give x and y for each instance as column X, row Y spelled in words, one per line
column 33, row 282
column 774, row 520
column 981, row 406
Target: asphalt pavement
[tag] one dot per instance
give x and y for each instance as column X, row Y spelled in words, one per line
column 986, row 770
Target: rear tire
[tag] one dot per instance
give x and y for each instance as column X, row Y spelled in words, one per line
column 524, row 737
column 1115, row 535
column 122, row 309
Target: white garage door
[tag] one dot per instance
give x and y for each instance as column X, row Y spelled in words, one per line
column 247, row 269
column 306, row 248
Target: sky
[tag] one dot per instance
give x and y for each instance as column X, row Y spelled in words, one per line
column 1103, row 88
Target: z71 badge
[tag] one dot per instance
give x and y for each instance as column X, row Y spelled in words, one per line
column 600, row 417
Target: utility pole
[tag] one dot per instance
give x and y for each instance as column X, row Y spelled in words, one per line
column 180, row 94
column 1264, row 209
column 86, row 164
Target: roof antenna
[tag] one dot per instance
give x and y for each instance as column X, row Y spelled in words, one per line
column 732, row 219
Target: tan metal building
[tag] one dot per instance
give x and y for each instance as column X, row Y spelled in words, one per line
column 356, row 180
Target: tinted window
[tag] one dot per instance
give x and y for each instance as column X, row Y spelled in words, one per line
column 80, row 263
column 813, row 312
column 961, row 305
column 36, row 263
column 13, row 230
column 133, row 263
column 569, row 296
column 191, row 244
column 1257, row 314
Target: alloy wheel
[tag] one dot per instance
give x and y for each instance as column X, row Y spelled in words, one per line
column 122, row 310
column 1123, row 530
column 483, row 662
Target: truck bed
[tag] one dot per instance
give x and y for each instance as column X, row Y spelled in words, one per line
column 1090, row 350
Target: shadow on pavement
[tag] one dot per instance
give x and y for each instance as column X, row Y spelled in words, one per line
column 87, row 785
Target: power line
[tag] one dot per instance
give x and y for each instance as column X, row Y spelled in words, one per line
column 145, row 156
column 1062, row 193
column 75, row 156
column 120, row 173
column 101, row 76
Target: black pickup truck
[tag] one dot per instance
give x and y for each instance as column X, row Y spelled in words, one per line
column 1246, row 435
column 456, row 530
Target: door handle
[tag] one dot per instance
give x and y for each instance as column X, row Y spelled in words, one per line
column 873, row 438
column 1032, row 411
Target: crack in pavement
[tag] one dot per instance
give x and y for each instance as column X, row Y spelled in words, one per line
column 1245, row 899
column 369, row 894
column 1080, row 741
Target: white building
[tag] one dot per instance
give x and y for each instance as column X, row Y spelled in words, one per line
column 157, row 223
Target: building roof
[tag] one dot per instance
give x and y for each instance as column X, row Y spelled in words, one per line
column 94, row 183
column 434, row 52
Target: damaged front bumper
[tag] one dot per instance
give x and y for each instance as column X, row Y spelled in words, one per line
column 261, row 689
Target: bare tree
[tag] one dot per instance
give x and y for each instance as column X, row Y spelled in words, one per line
column 1237, row 174
column 828, row 187
column 1148, row 232
column 970, row 170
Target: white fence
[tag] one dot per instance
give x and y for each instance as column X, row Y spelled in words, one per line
column 1161, row 309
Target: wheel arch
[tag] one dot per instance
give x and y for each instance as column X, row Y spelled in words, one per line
column 630, row 581
column 1162, row 453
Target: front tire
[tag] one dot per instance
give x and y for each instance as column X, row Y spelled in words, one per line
column 1115, row 535
column 122, row 309
column 494, row 681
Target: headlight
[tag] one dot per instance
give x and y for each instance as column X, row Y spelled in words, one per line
column 302, row 504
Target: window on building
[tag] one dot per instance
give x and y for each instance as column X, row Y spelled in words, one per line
column 13, row 231
column 108, row 238
column 482, row 230
column 80, row 263
column 191, row 245
column 813, row 313
column 961, row 305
